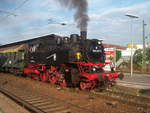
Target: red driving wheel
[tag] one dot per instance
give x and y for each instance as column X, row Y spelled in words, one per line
column 53, row 79
column 63, row 83
column 83, row 86
column 43, row 77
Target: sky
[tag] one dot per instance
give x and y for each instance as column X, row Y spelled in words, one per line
column 27, row 19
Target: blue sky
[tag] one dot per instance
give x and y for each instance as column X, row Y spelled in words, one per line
column 107, row 20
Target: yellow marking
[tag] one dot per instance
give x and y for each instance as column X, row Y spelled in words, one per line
column 11, row 49
column 78, row 55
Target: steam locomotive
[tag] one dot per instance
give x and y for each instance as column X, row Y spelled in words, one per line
column 67, row 61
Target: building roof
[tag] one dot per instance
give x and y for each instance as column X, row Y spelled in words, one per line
column 114, row 46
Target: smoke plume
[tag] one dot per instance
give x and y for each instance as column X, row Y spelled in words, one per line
column 80, row 16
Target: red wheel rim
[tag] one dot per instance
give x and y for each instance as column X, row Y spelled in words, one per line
column 83, row 86
column 53, row 79
column 63, row 83
column 43, row 77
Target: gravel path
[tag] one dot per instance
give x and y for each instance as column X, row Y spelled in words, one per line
column 8, row 106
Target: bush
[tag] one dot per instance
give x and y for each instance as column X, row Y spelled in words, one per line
column 118, row 55
column 139, row 57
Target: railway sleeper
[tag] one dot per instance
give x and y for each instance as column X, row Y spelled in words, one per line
column 18, row 91
column 39, row 101
column 58, row 109
column 63, row 111
column 28, row 97
column 20, row 101
column 42, row 103
column 54, row 105
column 33, row 99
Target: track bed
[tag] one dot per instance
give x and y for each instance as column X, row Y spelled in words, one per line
column 44, row 97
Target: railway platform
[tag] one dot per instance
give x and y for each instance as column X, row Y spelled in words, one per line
column 138, row 81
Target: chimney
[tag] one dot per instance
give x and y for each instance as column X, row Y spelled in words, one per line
column 83, row 35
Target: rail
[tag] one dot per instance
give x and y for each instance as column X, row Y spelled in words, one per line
column 41, row 103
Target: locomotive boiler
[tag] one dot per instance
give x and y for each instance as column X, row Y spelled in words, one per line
column 68, row 61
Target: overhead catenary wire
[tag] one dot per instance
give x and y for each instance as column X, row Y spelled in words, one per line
column 18, row 7
column 22, row 4
column 10, row 13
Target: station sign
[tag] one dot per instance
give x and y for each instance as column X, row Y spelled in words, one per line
column 110, row 58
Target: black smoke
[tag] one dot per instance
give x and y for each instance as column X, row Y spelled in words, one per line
column 81, row 15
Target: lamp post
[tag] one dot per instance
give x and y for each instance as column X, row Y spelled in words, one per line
column 143, row 35
column 132, row 17
column 51, row 21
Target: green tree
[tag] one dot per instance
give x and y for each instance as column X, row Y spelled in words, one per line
column 118, row 55
column 138, row 57
column 147, row 56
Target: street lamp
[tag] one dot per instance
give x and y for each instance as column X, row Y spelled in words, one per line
column 51, row 21
column 143, row 57
column 132, row 17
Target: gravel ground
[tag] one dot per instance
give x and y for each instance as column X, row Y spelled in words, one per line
column 88, row 100
column 8, row 106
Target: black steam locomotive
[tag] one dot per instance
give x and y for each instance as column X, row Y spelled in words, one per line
column 67, row 61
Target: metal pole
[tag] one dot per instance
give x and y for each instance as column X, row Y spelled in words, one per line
column 131, row 50
column 132, row 17
column 143, row 37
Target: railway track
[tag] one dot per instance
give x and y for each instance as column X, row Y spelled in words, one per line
column 123, row 97
column 40, row 103
column 133, row 84
column 135, row 72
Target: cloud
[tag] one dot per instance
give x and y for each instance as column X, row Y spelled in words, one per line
column 139, row 9
column 114, row 26
column 107, row 22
